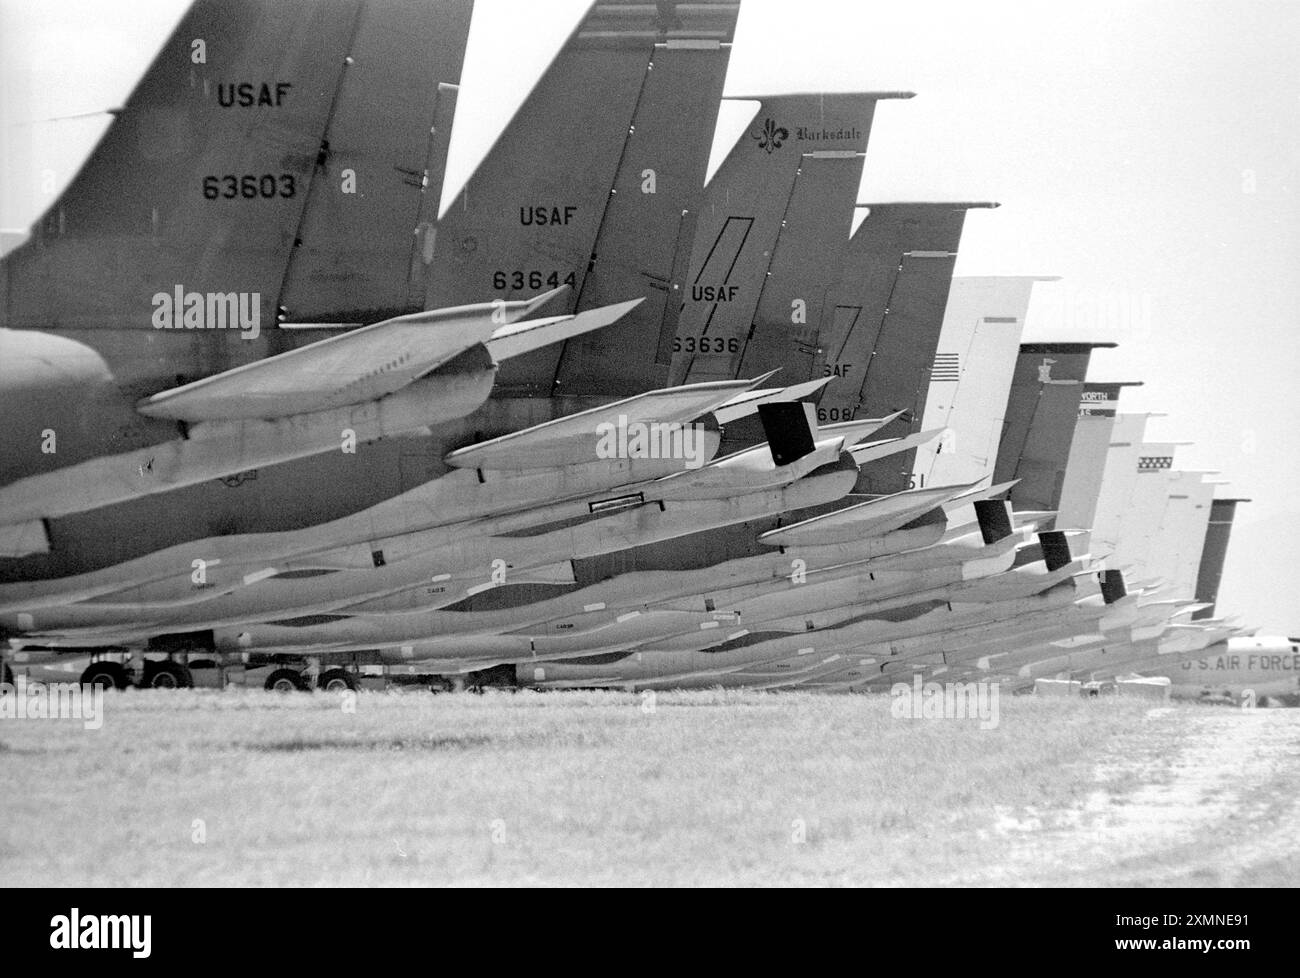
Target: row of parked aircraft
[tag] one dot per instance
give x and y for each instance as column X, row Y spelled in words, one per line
column 601, row 423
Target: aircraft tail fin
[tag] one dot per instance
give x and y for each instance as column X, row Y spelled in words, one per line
column 1213, row 554
column 556, row 196
column 644, row 241
column 882, row 324
column 207, row 180
column 753, row 253
column 1038, row 425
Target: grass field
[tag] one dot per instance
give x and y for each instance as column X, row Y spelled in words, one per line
column 210, row 788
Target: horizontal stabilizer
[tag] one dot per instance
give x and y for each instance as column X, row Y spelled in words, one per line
column 870, row 518
column 977, row 493
column 578, row 437
column 351, row 368
column 862, row 454
column 532, row 334
column 855, row 431
column 747, row 403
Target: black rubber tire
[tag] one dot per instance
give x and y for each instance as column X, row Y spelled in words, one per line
column 285, row 681
column 337, row 681
column 109, row 675
column 167, row 675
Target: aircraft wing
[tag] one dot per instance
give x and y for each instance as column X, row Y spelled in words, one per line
column 862, row 454
column 531, row 334
column 577, row 437
column 747, row 403
column 869, row 518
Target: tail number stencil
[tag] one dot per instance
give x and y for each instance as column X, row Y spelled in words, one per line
column 836, row 414
column 534, row 280
column 249, row 185
column 706, row 344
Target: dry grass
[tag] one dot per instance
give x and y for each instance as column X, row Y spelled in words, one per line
column 556, row 788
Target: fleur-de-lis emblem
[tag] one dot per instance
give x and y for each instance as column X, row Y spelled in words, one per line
column 771, row 136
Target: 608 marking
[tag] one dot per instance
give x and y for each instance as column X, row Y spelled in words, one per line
column 836, row 414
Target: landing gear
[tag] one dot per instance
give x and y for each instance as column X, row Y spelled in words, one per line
column 166, row 675
column 106, row 675
column 495, row 677
column 335, row 681
column 286, row 681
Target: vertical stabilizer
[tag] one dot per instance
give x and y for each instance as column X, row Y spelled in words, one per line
column 1213, row 554
column 888, row 313
column 1039, row 422
column 796, row 169
column 971, row 377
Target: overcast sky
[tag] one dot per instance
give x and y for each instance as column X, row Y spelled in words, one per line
column 1147, row 151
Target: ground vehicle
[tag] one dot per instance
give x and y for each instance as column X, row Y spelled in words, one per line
column 122, row 670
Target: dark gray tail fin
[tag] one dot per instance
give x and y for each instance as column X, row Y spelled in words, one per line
column 1214, row 553
column 529, row 217
column 362, row 241
column 887, row 311
column 793, row 306
column 778, row 202
column 1038, row 425
column 644, row 242
column 202, row 181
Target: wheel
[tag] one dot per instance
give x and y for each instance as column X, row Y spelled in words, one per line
column 166, row 675
column 337, row 681
column 285, row 681
column 107, row 675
